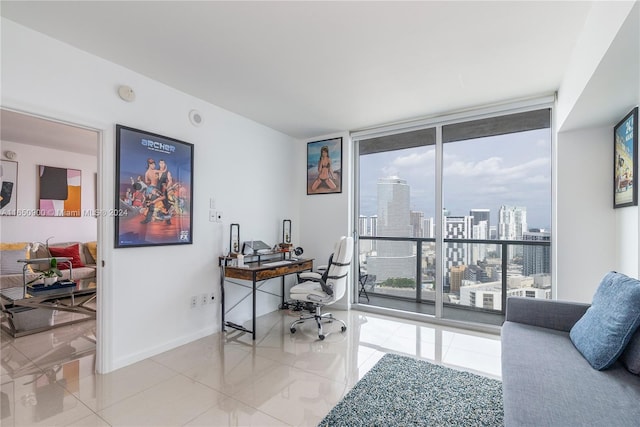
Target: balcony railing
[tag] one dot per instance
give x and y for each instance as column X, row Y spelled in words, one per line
column 478, row 274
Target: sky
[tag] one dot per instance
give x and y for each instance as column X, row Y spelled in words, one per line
column 482, row 173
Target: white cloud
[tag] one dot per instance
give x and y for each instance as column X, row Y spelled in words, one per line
column 388, row 171
column 415, row 159
column 492, row 168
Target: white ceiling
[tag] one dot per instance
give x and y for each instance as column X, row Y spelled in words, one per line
column 26, row 129
column 312, row 68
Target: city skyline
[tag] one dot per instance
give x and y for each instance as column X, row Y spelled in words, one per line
column 473, row 274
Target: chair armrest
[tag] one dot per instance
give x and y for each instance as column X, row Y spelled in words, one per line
column 310, row 276
column 551, row 314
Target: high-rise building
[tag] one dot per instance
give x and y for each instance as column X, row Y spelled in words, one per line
column 477, row 274
column 456, row 275
column 481, row 215
column 393, row 259
column 512, row 222
column 373, row 229
column 493, row 232
column 428, row 227
column 536, row 259
column 363, row 226
column 481, row 220
column 456, row 227
column 416, row 221
column 364, row 229
column 373, row 225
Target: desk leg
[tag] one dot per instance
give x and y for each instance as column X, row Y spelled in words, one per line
column 253, row 318
column 222, row 328
column 282, row 302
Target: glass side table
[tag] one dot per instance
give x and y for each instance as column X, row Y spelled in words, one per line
column 27, row 262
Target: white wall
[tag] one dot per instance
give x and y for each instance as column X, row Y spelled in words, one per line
column 590, row 237
column 602, row 26
column 34, row 228
column 145, row 292
column 324, row 218
column 586, row 222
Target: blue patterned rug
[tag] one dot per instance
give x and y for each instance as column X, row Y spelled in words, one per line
column 401, row 391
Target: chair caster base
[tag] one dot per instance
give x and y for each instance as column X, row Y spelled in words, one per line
column 320, row 320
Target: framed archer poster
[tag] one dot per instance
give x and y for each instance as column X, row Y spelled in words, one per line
column 154, row 189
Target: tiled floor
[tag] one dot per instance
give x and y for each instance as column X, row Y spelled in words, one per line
column 282, row 379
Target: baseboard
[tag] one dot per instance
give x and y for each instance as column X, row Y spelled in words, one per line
column 154, row 351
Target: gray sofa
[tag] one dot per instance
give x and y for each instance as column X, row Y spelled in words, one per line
column 547, row 382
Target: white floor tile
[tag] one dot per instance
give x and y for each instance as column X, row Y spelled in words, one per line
column 223, row 379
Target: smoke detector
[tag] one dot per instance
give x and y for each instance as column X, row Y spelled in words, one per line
column 126, row 93
column 195, row 117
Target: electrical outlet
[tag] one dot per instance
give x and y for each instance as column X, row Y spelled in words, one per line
column 194, row 302
column 212, row 298
column 204, row 298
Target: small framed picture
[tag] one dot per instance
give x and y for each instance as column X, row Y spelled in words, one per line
column 625, row 161
column 324, row 166
column 9, row 181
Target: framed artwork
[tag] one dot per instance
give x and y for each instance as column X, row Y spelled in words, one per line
column 9, row 191
column 60, row 191
column 324, row 166
column 625, row 161
column 154, row 189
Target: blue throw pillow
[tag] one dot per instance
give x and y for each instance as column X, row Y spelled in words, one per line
column 607, row 326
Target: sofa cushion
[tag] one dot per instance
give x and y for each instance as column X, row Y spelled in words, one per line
column 547, row 382
column 72, row 252
column 92, row 249
column 607, row 326
column 631, row 355
column 84, row 253
column 9, row 260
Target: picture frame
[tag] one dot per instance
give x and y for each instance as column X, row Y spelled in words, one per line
column 60, row 191
column 154, row 189
column 324, row 166
column 9, row 189
column 625, row 161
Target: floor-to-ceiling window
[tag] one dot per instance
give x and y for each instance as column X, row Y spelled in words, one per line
column 396, row 205
column 454, row 214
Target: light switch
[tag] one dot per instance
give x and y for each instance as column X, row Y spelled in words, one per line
column 212, row 203
column 212, row 216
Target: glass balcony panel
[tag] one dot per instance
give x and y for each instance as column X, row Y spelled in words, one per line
column 390, row 266
column 473, row 275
